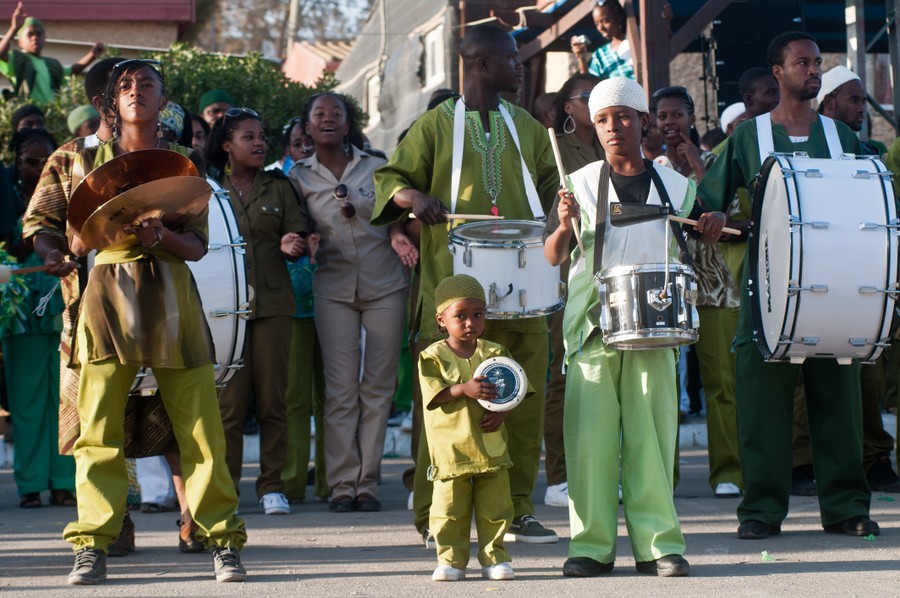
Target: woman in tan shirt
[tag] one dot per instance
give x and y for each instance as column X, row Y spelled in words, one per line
column 360, row 291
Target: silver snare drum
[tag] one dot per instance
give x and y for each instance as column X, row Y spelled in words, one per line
column 636, row 314
column 507, row 258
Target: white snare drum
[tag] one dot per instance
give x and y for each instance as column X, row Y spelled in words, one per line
column 222, row 283
column 509, row 378
column 635, row 314
column 507, row 258
column 823, row 258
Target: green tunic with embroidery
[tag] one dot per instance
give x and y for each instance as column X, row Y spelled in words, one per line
column 423, row 161
column 456, row 442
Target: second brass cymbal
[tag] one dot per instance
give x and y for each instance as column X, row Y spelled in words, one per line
column 122, row 173
column 175, row 200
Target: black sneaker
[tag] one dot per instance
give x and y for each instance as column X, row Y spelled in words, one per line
column 529, row 530
column 860, row 525
column 803, row 481
column 671, row 565
column 753, row 529
column 881, row 476
column 228, row 565
column 89, row 569
column 582, row 566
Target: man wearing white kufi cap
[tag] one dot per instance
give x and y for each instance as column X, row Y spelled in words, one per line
column 842, row 97
column 730, row 116
column 765, row 391
column 611, row 394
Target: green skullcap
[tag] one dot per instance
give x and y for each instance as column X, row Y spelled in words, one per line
column 30, row 22
column 79, row 116
column 456, row 288
column 213, row 96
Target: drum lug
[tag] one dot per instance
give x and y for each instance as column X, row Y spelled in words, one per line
column 809, row 341
column 243, row 311
column 523, row 299
column 812, row 173
column 893, row 226
column 865, row 174
column 493, row 298
column 451, row 248
column 521, row 257
column 238, row 247
column 795, row 224
column 563, row 290
column 793, row 289
column 892, row 291
column 467, row 257
column 844, row 360
column 862, row 342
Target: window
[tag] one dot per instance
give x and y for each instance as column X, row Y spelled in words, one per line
column 434, row 58
column 373, row 91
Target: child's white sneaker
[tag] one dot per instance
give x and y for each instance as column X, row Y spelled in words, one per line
column 448, row 573
column 498, row 572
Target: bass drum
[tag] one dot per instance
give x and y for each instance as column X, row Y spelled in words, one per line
column 823, row 258
column 222, row 282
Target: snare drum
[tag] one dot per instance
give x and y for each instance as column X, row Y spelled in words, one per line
column 222, row 283
column 507, row 258
column 635, row 313
column 823, row 258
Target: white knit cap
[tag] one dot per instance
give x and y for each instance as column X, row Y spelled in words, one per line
column 617, row 91
column 731, row 113
column 834, row 79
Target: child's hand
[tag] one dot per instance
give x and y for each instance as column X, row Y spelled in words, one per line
column 491, row 420
column 480, row 389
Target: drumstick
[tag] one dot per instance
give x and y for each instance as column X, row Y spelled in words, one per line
column 725, row 229
column 562, row 184
column 467, row 216
column 6, row 272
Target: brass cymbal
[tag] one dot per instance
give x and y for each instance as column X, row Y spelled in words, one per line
column 175, row 200
column 121, row 174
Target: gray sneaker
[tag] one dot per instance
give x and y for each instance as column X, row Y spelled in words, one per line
column 228, row 565
column 89, row 569
column 529, row 530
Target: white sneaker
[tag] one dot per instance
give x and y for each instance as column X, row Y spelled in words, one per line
column 275, row 503
column 557, row 495
column 447, row 573
column 409, row 502
column 498, row 572
column 727, row 490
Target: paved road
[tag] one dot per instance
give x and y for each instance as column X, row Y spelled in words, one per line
column 313, row 552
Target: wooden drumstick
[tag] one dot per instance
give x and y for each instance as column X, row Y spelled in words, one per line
column 6, row 273
column 562, row 185
column 725, row 229
column 467, row 216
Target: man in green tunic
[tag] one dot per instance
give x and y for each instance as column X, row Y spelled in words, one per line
column 31, row 74
column 765, row 390
column 499, row 138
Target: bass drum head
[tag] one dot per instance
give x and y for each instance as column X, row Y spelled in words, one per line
column 509, row 378
column 498, row 233
column 770, row 256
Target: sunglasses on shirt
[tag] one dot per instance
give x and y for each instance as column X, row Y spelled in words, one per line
column 341, row 193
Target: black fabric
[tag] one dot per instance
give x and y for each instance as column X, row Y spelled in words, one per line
column 602, row 208
column 632, row 189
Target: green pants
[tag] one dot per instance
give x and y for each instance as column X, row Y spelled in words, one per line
column 32, row 384
column 454, row 501
column 765, row 402
column 101, row 479
column 717, row 368
column 305, row 396
column 524, row 428
column 621, row 400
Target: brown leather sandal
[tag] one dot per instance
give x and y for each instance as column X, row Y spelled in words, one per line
column 62, row 498
column 31, row 500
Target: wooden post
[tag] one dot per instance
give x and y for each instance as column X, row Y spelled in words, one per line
column 654, row 46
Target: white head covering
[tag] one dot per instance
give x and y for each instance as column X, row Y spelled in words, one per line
column 834, row 79
column 617, row 91
column 731, row 113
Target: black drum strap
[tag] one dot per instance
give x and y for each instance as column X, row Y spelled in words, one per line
column 664, row 197
column 602, row 208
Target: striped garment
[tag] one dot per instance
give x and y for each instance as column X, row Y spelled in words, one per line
column 606, row 62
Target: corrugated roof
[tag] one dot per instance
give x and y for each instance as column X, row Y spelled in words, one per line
column 328, row 50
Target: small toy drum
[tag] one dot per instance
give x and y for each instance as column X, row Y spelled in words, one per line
column 509, row 378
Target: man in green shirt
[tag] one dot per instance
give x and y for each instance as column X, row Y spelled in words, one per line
column 31, row 74
column 418, row 179
column 765, row 390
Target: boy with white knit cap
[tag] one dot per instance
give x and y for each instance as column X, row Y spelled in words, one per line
column 619, row 402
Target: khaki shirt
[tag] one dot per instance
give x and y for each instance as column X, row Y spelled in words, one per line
column 355, row 259
column 270, row 211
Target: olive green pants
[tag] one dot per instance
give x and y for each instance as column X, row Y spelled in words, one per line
column 101, row 479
